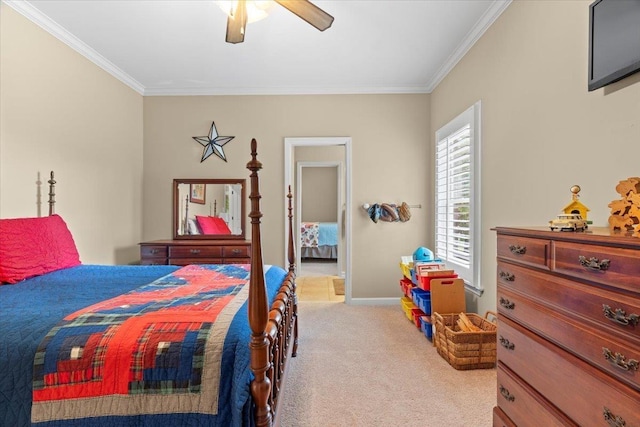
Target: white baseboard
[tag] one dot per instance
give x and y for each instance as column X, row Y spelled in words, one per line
column 374, row 301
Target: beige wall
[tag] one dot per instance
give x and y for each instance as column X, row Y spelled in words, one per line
column 390, row 135
column 60, row 112
column 319, row 184
column 542, row 131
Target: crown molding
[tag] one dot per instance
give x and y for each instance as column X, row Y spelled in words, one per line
column 473, row 36
column 194, row 91
column 34, row 15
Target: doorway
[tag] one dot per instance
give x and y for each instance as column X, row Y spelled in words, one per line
column 294, row 167
column 320, row 206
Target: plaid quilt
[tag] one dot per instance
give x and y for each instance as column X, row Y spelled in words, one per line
column 154, row 350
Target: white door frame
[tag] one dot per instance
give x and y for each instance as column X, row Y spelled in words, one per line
column 289, row 146
column 299, row 167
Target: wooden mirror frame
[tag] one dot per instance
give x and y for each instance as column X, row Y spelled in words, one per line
column 177, row 202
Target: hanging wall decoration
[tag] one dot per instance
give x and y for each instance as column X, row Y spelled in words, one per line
column 213, row 143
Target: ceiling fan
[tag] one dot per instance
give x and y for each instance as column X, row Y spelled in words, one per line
column 237, row 20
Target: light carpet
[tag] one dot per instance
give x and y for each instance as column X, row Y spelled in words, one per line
column 370, row 366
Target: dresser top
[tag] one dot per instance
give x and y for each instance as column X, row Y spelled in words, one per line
column 200, row 242
column 593, row 235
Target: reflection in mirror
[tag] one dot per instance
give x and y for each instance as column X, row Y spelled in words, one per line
column 208, row 208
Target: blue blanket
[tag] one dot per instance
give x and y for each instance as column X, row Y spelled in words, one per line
column 327, row 234
column 32, row 307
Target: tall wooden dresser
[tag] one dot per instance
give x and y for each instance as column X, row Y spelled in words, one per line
column 568, row 328
column 183, row 252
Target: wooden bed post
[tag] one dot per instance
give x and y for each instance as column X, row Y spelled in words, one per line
column 52, row 194
column 292, row 269
column 258, row 305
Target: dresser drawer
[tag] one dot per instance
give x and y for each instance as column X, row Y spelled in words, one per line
column 585, row 394
column 616, row 312
column 525, row 250
column 500, row 419
column 236, row 252
column 614, row 267
column 523, row 406
column 195, row 251
column 614, row 355
column 153, row 251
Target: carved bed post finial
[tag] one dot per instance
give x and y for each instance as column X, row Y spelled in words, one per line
column 52, row 194
column 258, row 304
column 291, row 249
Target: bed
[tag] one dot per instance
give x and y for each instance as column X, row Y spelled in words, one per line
column 200, row 345
column 319, row 240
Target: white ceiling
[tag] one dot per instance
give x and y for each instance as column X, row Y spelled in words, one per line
column 164, row 47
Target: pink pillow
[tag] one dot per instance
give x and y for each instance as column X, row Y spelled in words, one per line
column 212, row 225
column 33, row 246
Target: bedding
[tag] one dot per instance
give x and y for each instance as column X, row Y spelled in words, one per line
column 43, row 345
column 33, row 246
column 319, row 240
column 212, row 225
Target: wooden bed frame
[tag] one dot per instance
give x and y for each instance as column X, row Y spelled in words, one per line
column 274, row 330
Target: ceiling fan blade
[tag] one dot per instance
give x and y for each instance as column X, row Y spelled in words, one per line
column 236, row 23
column 309, row 12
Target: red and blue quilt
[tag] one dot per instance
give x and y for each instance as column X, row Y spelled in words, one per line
column 162, row 350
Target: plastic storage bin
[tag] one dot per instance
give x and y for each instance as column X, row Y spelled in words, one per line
column 426, row 327
column 416, row 314
column 422, row 299
column 407, row 306
column 406, row 287
column 424, row 282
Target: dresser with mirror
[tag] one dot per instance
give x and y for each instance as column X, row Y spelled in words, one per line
column 208, row 225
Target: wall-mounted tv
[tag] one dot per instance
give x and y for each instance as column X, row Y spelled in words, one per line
column 614, row 41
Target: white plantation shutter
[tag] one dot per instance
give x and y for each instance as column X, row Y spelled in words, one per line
column 457, row 196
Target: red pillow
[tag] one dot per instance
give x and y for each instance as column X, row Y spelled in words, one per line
column 212, row 225
column 34, row 246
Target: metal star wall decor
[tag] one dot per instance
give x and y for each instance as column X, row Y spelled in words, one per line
column 213, row 143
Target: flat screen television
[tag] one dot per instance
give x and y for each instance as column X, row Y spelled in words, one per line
column 614, row 41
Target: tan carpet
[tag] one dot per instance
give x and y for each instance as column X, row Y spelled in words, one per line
column 338, row 286
column 370, row 366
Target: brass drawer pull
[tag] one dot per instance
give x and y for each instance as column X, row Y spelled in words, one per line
column 236, row 251
column 593, row 263
column 619, row 360
column 194, row 251
column 517, row 249
column 154, row 251
column 506, row 276
column 506, row 394
column 506, row 343
column 613, row 421
column 620, row 316
column 507, row 304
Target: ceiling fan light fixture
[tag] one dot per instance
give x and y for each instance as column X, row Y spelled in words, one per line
column 256, row 9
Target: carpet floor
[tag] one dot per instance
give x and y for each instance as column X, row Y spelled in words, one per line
column 370, row 366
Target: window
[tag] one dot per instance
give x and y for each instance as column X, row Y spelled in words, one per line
column 457, row 194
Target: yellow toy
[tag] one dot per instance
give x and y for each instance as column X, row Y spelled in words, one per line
column 576, row 207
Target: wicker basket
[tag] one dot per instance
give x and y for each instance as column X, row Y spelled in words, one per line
column 466, row 350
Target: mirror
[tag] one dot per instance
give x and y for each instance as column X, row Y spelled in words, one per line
column 208, row 208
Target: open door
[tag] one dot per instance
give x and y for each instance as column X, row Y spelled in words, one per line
column 345, row 215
